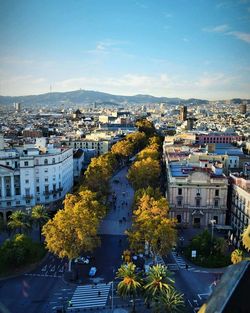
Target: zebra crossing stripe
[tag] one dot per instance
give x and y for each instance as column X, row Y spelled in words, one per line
column 88, row 296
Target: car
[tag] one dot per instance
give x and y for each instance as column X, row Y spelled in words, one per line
column 92, row 271
column 82, row 260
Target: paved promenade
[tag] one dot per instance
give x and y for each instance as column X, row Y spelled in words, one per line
column 119, row 217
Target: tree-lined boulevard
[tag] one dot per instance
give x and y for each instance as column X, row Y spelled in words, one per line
column 117, row 215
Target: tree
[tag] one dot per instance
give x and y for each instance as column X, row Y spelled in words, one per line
column 73, row 230
column 158, row 282
column 150, row 191
column 144, row 173
column 246, row 238
column 138, row 139
column 123, row 149
column 237, row 256
column 99, row 172
column 148, row 153
column 151, row 226
column 130, row 284
column 171, row 301
column 146, row 127
column 40, row 216
column 19, row 220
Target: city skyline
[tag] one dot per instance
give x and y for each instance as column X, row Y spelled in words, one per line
column 135, row 47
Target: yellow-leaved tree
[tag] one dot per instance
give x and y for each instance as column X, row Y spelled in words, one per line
column 144, row 173
column 152, row 227
column 73, row 230
column 99, row 172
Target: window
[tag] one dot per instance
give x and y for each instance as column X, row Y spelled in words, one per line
column 45, row 161
column 53, row 160
column 217, row 192
column 46, row 170
column 179, row 202
column 46, row 179
column 26, row 163
column 8, row 203
column 198, row 202
column 26, row 181
column 46, row 188
column 37, row 180
column 37, row 189
column 179, row 191
column 27, row 191
column 216, row 203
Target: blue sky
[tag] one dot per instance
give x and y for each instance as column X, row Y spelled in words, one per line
column 173, row 48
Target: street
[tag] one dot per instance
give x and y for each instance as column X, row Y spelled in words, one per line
column 43, row 290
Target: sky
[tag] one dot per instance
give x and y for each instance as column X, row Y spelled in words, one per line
column 172, row 48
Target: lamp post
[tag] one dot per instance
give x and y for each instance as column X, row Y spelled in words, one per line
column 213, row 222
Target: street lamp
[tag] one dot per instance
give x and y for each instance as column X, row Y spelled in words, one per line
column 213, row 222
column 112, row 295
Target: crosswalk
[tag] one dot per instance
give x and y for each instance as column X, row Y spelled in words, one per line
column 90, row 296
column 180, row 262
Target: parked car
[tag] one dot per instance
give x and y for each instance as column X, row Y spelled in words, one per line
column 92, row 271
column 82, row 260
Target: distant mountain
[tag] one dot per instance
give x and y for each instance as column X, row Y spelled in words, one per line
column 84, row 97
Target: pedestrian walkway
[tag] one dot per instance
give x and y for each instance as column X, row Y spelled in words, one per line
column 89, row 296
column 119, row 217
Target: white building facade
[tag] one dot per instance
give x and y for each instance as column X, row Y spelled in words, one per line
column 240, row 203
column 196, row 195
column 31, row 176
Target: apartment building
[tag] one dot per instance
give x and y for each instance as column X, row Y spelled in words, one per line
column 240, row 203
column 34, row 175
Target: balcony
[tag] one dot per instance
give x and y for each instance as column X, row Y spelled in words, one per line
column 28, row 197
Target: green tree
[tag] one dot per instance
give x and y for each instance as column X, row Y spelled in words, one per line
column 158, row 282
column 40, row 216
column 171, row 301
column 130, row 285
column 144, row 173
column 20, row 221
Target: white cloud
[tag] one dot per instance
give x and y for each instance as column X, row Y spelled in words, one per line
column 214, row 80
column 241, row 35
column 217, row 29
column 225, row 30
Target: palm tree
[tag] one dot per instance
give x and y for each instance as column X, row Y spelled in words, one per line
column 130, row 284
column 19, row 220
column 158, row 281
column 40, row 217
column 236, row 256
column 170, row 301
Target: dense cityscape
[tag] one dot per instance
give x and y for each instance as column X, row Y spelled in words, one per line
column 124, row 157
